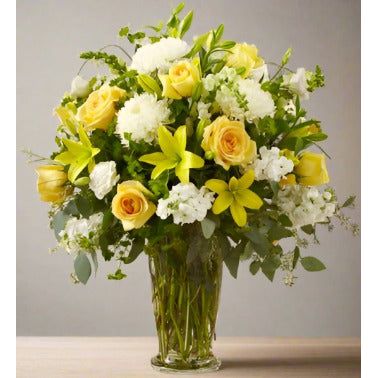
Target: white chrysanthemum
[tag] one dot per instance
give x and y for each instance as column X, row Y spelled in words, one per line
column 186, row 203
column 229, row 104
column 304, row 205
column 297, row 82
column 259, row 102
column 81, row 234
column 141, row 116
column 158, row 55
column 103, row 178
column 271, row 166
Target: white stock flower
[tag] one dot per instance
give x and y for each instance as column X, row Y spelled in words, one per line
column 103, row 178
column 81, row 234
column 158, row 55
column 259, row 102
column 141, row 116
column 297, row 83
column 203, row 110
column 229, row 104
column 186, row 203
column 79, row 87
column 271, row 166
column 304, row 205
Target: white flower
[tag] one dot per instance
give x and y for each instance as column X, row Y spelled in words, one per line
column 103, row 178
column 203, row 110
column 260, row 73
column 304, row 205
column 141, row 116
column 271, row 166
column 297, row 83
column 81, row 234
column 186, row 203
column 259, row 102
column 229, row 104
column 79, row 87
column 158, row 55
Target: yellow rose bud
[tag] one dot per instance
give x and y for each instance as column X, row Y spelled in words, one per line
column 131, row 204
column 245, row 56
column 99, row 109
column 229, row 142
column 181, row 80
column 312, row 169
column 52, row 184
column 288, row 180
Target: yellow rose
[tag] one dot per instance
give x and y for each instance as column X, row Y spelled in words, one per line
column 52, row 184
column 288, row 180
column 311, row 169
column 245, row 56
column 99, row 109
column 131, row 204
column 228, row 142
column 181, row 80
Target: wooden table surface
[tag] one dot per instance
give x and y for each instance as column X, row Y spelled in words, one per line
column 128, row 357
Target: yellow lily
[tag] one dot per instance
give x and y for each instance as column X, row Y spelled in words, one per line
column 173, row 155
column 78, row 155
column 236, row 196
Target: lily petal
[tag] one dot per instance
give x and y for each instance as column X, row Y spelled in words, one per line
column 84, row 137
column 247, row 179
column 167, row 142
column 216, row 186
column 233, row 184
column 65, row 158
column 180, row 137
column 76, row 168
column 239, row 214
column 222, row 202
column 248, row 199
column 182, row 173
column 153, row 158
column 161, row 167
column 191, row 160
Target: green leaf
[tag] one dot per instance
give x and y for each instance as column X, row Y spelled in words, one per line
column 208, row 227
column 349, row 202
column 82, row 181
column 200, row 41
column 254, row 266
column 232, row 259
column 58, row 222
column 149, row 84
column 136, row 250
column 185, row 24
column 277, row 232
column 270, row 265
column 247, row 253
column 259, row 242
column 285, row 220
column 104, row 243
column 94, row 260
column 118, row 275
column 107, row 220
column 123, row 32
column 312, row 264
column 309, row 229
column 71, row 209
column 296, row 257
column 82, row 267
column 84, row 206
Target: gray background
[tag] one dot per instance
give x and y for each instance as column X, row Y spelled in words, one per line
column 50, row 36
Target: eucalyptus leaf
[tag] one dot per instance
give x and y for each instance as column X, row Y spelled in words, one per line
column 254, row 266
column 58, row 223
column 208, row 227
column 82, row 267
column 312, row 264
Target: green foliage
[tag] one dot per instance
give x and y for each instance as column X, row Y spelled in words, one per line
column 82, row 267
column 115, row 64
column 208, row 227
column 312, row 264
column 316, row 79
column 117, row 275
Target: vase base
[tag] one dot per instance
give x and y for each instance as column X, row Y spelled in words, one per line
column 176, row 366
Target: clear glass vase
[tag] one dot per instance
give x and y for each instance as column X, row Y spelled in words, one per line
column 185, row 298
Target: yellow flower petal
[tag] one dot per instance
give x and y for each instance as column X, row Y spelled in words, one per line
column 76, row 168
column 216, row 186
column 83, row 137
column 161, row 167
column 65, row 158
column 167, row 142
column 246, row 180
column 182, row 173
column 248, row 199
column 222, row 202
column 153, row 158
column 233, row 184
column 180, row 137
column 191, row 160
column 238, row 213
column 168, row 90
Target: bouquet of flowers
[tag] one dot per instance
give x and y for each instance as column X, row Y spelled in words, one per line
column 197, row 154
